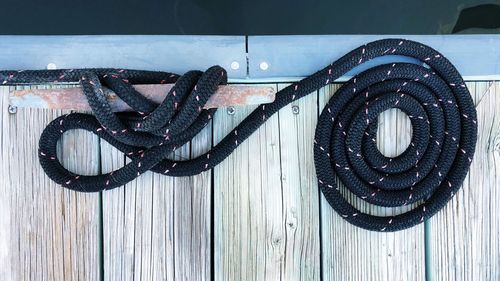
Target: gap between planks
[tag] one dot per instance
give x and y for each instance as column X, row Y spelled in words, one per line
column 144, row 240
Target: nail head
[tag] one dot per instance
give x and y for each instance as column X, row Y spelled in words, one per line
column 51, row 66
column 235, row 65
column 264, row 65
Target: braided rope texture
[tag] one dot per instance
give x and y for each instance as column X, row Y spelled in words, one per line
column 429, row 172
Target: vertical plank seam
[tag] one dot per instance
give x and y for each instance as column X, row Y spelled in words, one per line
column 427, row 252
column 100, row 215
column 247, row 60
column 283, row 211
column 320, row 228
column 151, row 238
column 122, row 264
column 212, row 203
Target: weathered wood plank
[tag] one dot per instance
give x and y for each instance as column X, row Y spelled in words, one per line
column 249, row 230
column 265, row 209
column 463, row 237
column 177, row 54
column 192, row 217
column 51, row 233
column 5, row 207
column 352, row 253
column 475, row 56
column 297, row 123
column 158, row 227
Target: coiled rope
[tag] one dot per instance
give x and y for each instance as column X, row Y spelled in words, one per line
column 430, row 171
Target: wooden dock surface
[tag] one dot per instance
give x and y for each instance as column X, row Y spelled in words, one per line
column 257, row 216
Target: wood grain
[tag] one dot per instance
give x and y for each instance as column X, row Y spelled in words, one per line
column 51, row 233
column 249, row 224
column 297, row 122
column 266, row 200
column 177, row 54
column 264, row 219
column 192, row 217
column 158, row 227
column 352, row 253
column 463, row 237
column 475, row 56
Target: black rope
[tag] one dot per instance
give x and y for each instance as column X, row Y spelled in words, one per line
column 429, row 172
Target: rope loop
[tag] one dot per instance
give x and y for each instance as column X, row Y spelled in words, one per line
column 430, row 171
column 427, row 174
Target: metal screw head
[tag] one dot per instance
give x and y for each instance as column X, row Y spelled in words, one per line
column 295, row 109
column 51, row 66
column 12, row 109
column 235, row 65
column 231, row 110
column 264, row 65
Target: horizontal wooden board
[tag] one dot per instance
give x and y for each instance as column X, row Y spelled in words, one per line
column 477, row 57
column 176, row 54
column 287, row 57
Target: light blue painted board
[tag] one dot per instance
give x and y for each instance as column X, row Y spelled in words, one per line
column 477, row 57
column 176, row 54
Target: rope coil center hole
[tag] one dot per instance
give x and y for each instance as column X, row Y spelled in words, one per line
column 394, row 132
